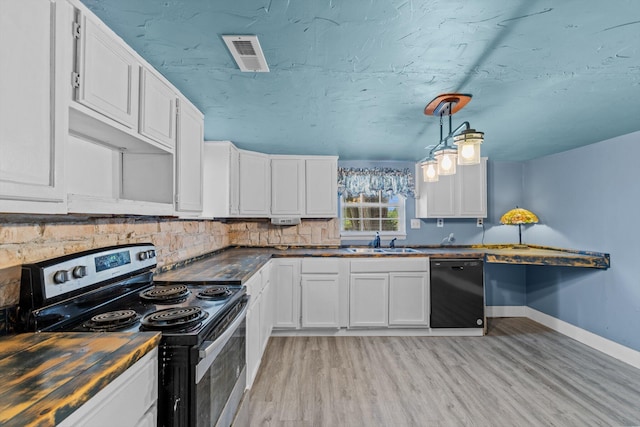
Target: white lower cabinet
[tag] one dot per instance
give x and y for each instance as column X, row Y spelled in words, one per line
column 130, row 400
column 286, row 289
column 253, row 341
column 369, row 300
column 259, row 319
column 320, row 301
column 409, row 299
column 389, row 292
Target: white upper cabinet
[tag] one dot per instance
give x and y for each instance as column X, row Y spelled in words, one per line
column 107, row 73
column 255, row 184
column 304, row 186
column 240, row 183
column 189, row 151
column 221, row 176
column 321, row 184
column 472, row 190
column 463, row 195
column 157, row 109
column 35, row 47
column 287, row 186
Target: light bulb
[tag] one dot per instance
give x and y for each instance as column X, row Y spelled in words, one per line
column 468, row 151
column 446, row 162
column 431, row 171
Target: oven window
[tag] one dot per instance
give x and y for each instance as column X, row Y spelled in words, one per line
column 216, row 386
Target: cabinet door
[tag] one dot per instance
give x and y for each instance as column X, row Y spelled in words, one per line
column 440, row 197
column 253, row 340
column 320, row 300
column 189, row 159
column 287, row 186
column 255, row 184
column 157, row 109
column 266, row 313
column 472, row 190
column 108, row 74
column 234, row 181
column 409, row 299
column 368, row 300
column 129, row 400
column 321, row 187
column 287, row 294
column 33, row 112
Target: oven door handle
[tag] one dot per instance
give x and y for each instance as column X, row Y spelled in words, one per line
column 211, row 351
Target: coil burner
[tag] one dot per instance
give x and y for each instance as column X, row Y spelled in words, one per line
column 112, row 320
column 215, row 293
column 166, row 294
column 174, row 318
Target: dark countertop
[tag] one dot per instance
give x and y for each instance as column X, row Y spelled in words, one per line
column 237, row 265
column 46, row 376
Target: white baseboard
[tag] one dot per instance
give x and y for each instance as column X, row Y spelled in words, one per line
column 505, row 311
column 606, row 346
column 386, row 332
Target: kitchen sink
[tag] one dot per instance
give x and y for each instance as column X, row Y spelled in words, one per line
column 382, row 250
column 366, row 250
column 401, row 250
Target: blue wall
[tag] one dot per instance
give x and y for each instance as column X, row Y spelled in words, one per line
column 589, row 199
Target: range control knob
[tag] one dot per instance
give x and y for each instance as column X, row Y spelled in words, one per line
column 152, row 253
column 61, row 276
column 142, row 256
column 79, row 272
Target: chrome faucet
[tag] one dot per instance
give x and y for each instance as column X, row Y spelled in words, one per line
column 376, row 240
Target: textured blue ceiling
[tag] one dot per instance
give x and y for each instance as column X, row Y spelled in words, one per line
column 352, row 77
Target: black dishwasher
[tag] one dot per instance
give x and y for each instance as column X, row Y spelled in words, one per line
column 457, row 293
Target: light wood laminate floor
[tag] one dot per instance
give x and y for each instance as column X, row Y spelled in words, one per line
column 520, row 374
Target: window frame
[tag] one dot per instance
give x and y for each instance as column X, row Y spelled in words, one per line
column 400, row 206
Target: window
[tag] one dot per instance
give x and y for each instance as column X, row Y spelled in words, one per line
column 361, row 216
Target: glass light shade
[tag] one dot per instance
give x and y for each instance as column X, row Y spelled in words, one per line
column 446, row 159
column 429, row 171
column 519, row 216
column 468, row 143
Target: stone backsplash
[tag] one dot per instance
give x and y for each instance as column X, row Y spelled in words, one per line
column 32, row 238
column 310, row 232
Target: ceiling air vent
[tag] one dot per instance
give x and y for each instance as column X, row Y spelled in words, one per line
column 247, row 53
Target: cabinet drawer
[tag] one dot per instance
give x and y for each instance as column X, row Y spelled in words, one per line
column 386, row 265
column 320, row 265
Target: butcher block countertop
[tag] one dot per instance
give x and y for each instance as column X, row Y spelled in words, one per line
column 237, row 265
column 46, row 376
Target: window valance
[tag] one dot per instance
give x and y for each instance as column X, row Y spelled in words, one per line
column 368, row 181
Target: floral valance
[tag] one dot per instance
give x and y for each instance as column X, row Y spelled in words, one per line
column 354, row 181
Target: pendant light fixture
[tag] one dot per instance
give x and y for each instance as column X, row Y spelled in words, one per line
column 443, row 158
column 468, row 143
column 430, row 170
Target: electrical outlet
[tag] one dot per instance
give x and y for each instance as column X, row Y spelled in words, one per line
column 415, row 223
column 440, row 222
column 480, row 222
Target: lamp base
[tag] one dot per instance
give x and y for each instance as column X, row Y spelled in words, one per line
column 519, row 246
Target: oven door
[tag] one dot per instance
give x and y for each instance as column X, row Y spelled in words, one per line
column 221, row 374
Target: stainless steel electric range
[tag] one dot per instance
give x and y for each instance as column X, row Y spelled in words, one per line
column 202, row 369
